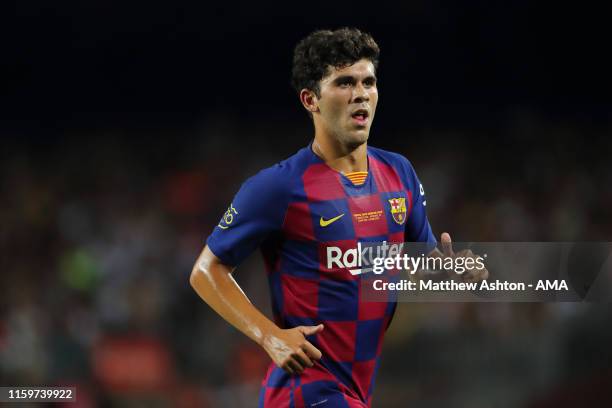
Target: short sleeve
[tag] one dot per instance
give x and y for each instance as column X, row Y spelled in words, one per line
column 417, row 225
column 256, row 211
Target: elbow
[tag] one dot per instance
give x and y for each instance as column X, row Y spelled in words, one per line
column 197, row 272
column 201, row 269
column 195, row 276
column 206, row 269
column 192, row 278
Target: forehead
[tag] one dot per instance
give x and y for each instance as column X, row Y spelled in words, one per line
column 360, row 69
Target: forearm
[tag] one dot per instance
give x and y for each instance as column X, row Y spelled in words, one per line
column 214, row 283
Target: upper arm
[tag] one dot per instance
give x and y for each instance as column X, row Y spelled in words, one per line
column 206, row 262
column 208, row 259
column 257, row 210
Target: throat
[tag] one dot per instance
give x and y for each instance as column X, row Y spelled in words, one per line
column 353, row 161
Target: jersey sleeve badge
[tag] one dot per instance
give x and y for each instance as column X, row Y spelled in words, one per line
column 228, row 217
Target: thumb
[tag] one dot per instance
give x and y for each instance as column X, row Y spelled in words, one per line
column 447, row 245
column 310, row 330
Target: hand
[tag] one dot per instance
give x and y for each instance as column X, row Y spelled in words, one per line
column 290, row 350
column 470, row 275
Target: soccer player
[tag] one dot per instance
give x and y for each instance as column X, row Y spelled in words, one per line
column 305, row 213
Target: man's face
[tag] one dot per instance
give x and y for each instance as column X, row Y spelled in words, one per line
column 348, row 102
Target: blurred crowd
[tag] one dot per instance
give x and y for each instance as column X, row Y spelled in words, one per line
column 99, row 232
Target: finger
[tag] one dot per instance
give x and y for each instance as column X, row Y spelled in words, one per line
column 312, row 351
column 287, row 368
column 296, row 366
column 447, row 245
column 310, row 330
column 469, row 277
column 436, row 254
column 465, row 253
column 303, row 359
column 476, row 275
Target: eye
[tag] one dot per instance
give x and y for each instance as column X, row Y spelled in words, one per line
column 345, row 83
column 369, row 82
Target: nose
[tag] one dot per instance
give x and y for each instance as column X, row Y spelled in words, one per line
column 360, row 94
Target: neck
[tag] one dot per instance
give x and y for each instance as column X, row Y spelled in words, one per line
column 340, row 157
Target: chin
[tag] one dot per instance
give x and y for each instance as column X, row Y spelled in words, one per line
column 352, row 138
column 359, row 137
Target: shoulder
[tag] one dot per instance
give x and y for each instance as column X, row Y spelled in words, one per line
column 278, row 180
column 397, row 161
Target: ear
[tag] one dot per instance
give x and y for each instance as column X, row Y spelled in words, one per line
column 310, row 100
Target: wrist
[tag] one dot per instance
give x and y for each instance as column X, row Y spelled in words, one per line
column 269, row 333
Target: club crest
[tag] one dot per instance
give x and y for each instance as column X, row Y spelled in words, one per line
column 398, row 209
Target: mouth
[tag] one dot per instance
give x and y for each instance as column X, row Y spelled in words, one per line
column 360, row 116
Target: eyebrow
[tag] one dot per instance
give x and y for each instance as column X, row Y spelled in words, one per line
column 343, row 78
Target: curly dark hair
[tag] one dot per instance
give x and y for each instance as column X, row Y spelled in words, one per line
column 314, row 55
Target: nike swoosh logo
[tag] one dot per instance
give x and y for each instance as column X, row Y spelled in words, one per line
column 325, row 223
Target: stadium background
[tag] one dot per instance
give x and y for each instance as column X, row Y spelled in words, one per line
column 127, row 128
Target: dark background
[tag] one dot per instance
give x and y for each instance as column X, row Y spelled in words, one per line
column 127, row 128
